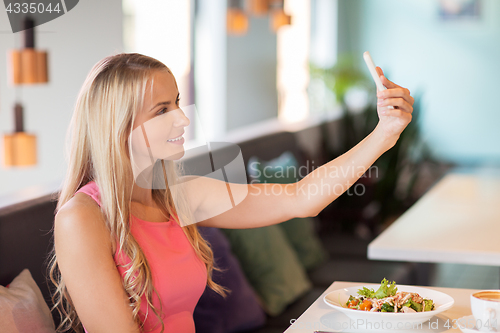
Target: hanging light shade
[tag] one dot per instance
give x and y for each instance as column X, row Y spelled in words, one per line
column 279, row 18
column 28, row 65
column 20, row 150
column 259, row 7
column 19, row 147
column 237, row 21
column 15, row 67
column 42, row 75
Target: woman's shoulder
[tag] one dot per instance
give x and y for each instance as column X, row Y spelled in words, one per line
column 81, row 217
column 81, row 204
column 92, row 190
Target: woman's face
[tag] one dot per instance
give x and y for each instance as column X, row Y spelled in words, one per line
column 159, row 125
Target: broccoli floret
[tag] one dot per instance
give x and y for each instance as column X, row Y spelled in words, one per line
column 416, row 306
column 428, row 305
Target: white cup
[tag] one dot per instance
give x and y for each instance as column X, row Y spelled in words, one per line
column 485, row 306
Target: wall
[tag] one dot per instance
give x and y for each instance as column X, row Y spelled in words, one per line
column 210, row 67
column 235, row 76
column 324, row 33
column 454, row 64
column 251, row 75
column 75, row 41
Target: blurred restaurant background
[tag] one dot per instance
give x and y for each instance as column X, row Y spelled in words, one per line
column 287, row 76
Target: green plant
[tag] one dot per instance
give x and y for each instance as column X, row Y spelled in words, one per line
column 342, row 76
column 340, row 79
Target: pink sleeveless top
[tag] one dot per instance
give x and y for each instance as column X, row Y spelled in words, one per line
column 179, row 276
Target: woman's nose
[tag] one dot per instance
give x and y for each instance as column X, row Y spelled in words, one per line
column 181, row 120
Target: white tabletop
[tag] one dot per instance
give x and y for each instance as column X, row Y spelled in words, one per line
column 457, row 221
column 321, row 317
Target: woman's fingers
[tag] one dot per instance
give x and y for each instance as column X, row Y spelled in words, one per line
column 399, row 103
column 397, row 113
column 379, row 71
column 387, row 83
column 396, row 93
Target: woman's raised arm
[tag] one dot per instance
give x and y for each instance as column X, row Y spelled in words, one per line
column 338, row 175
column 268, row 204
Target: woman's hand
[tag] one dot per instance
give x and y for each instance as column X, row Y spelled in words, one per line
column 393, row 122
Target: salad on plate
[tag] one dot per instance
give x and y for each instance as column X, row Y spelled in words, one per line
column 388, row 299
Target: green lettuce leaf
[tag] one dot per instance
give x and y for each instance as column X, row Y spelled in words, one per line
column 369, row 293
column 386, row 289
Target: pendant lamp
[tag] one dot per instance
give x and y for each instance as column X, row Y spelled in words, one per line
column 278, row 16
column 259, row 7
column 19, row 147
column 237, row 20
column 28, row 65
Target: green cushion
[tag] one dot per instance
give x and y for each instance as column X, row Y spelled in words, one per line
column 270, row 265
column 299, row 231
column 302, row 236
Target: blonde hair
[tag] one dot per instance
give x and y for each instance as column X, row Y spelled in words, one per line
column 98, row 151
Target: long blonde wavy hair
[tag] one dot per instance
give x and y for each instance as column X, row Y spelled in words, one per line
column 98, row 151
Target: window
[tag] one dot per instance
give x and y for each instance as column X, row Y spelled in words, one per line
column 293, row 62
column 163, row 30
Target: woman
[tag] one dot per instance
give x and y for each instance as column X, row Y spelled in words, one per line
column 122, row 262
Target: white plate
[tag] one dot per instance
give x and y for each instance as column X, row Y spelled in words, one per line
column 388, row 320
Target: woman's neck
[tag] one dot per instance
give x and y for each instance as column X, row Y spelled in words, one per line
column 143, row 196
column 142, row 189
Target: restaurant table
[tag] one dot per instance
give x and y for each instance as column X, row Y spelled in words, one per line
column 457, row 221
column 321, row 317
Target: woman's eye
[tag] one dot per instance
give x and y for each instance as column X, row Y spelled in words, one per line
column 162, row 111
column 165, row 110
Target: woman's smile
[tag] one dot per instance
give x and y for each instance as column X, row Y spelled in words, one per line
column 177, row 141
